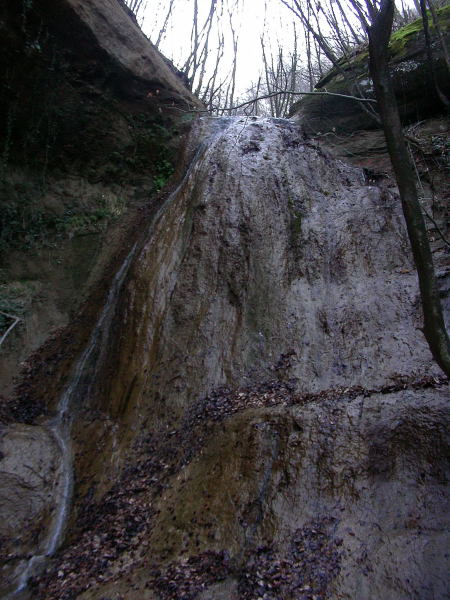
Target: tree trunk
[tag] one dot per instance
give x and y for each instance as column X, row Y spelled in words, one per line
column 434, row 326
column 431, row 70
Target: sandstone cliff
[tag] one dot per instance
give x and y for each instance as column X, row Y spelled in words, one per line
column 246, row 407
column 263, row 415
column 91, row 121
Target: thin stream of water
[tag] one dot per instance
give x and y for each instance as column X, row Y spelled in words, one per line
column 83, row 377
column 60, row 427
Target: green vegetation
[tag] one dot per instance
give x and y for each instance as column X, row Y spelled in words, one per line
column 10, row 308
column 163, row 170
column 13, row 300
column 150, row 154
column 26, row 222
column 152, row 143
column 401, row 37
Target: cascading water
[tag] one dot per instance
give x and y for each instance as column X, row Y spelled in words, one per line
column 83, row 377
column 60, row 427
column 270, row 268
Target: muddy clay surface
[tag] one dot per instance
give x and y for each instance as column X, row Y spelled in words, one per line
column 264, row 419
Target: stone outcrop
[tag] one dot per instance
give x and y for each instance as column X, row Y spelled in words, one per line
column 86, row 71
column 30, row 489
column 410, row 75
column 111, row 31
column 267, row 420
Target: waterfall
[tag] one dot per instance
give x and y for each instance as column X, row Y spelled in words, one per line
column 268, row 329
column 85, row 370
column 81, row 379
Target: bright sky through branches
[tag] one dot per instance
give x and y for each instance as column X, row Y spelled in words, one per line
column 251, row 19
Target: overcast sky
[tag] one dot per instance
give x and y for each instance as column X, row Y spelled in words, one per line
column 250, row 20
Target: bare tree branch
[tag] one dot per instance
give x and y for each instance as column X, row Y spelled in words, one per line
column 436, row 226
column 284, row 93
column 11, row 327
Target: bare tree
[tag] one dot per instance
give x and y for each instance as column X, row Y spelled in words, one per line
column 210, row 64
column 163, row 29
column 283, row 76
column 136, row 6
column 232, row 83
column 431, row 70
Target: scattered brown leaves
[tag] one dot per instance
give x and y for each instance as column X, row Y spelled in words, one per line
column 304, row 572
column 185, row 579
column 122, row 520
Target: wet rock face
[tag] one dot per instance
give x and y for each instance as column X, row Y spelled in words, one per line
column 267, row 421
column 29, row 488
column 271, row 258
column 331, row 496
column 328, row 500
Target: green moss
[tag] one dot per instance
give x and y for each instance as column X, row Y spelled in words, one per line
column 401, row 37
column 360, row 58
column 25, row 221
column 296, row 220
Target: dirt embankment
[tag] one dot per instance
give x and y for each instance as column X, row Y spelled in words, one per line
column 92, row 118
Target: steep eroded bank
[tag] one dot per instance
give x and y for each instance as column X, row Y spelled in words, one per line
column 266, row 420
column 92, row 118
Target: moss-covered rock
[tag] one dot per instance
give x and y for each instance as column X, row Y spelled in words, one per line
column 411, row 77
